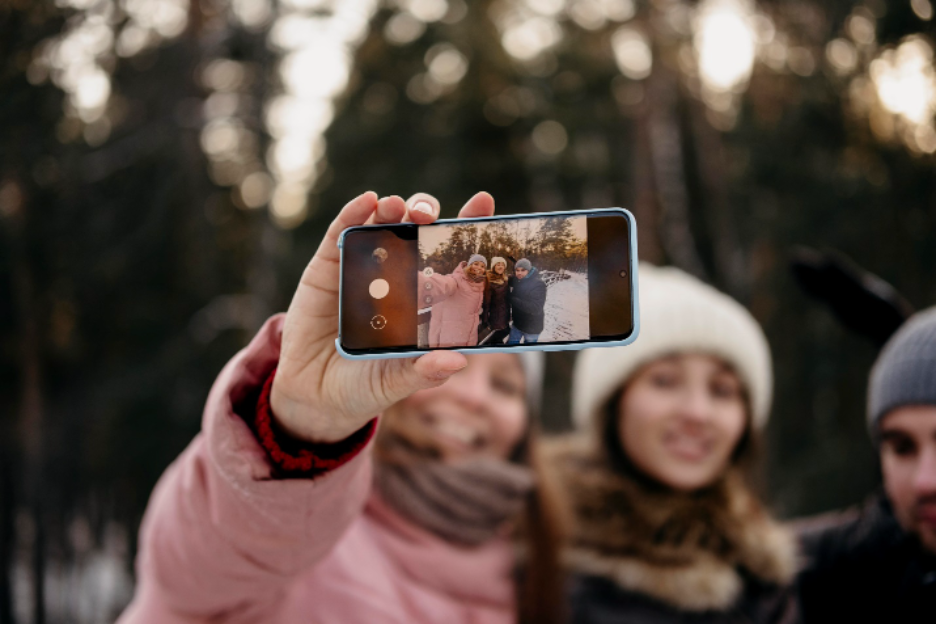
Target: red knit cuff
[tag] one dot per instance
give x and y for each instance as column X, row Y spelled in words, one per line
column 296, row 458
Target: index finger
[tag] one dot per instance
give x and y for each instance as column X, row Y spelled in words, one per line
column 356, row 212
column 481, row 205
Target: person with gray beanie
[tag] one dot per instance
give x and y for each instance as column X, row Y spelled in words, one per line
column 527, row 303
column 668, row 529
column 878, row 563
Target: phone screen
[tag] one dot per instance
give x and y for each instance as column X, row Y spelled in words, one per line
column 557, row 279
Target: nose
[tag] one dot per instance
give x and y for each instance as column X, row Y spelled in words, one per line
column 470, row 387
column 696, row 404
column 925, row 479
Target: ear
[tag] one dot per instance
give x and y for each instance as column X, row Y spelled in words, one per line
column 860, row 300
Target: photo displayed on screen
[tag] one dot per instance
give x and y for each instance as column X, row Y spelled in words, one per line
column 503, row 282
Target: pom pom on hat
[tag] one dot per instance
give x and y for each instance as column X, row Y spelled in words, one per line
column 678, row 314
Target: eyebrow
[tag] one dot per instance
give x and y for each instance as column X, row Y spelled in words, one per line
column 516, row 367
column 893, row 434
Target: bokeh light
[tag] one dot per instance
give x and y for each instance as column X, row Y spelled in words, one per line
column 81, row 58
column 632, row 52
column 317, row 39
column 725, row 44
column 905, row 83
column 550, row 137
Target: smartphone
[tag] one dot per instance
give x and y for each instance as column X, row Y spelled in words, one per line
column 546, row 281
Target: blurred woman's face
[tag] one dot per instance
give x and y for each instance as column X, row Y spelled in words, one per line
column 499, row 268
column 680, row 419
column 477, row 268
column 480, row 410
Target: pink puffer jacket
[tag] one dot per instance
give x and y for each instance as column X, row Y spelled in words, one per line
column 223, row 540
column 456, row 307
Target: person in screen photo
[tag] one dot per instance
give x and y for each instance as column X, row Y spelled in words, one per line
column 456, row 300
column 495, row 314
column 527, row 303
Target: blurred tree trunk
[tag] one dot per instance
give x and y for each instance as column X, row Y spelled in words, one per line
column 668, row 161
column 7, row 515
column 710, row 161
column 31, row 401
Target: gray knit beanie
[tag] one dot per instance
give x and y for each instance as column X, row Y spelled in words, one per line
column 905, row 371
column 477, row 258
column 524, row 264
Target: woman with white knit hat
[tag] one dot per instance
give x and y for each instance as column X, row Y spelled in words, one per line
column 495, row 314
column 668, row 528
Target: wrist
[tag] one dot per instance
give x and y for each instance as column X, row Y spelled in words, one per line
column 303, row 421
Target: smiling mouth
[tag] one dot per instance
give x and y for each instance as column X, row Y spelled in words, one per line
column 453, row 433
column 688, row 447
column 926, row 513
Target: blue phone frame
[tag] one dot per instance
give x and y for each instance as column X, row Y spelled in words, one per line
column 632, row 259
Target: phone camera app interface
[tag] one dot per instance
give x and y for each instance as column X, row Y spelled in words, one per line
column 378, row 279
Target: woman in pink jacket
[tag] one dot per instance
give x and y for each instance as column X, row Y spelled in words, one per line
column 456, row 301
column 287, row 508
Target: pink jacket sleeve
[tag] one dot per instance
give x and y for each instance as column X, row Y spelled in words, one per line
column 222, row 537
column 442, row 286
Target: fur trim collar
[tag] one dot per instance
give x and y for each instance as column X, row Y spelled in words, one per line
column 494, row 278
column 693, row 551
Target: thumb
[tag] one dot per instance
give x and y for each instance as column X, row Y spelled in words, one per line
column 429, row 371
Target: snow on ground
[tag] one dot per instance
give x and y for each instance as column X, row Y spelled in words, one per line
column 566, row 309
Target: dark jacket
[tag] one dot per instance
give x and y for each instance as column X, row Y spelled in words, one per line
column 861, row 566
column 496, row 312
column 527, row 300
column 597, row 600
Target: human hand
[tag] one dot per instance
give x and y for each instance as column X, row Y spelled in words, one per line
column 318, row 395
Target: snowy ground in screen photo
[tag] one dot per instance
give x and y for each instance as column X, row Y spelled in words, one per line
column 566, row 307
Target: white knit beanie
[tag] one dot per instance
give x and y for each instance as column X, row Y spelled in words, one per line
column 678, row 314
column 497, row 259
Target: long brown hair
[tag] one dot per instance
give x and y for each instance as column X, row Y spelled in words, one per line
column 541, row 588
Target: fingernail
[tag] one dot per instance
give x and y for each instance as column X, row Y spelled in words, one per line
column 424, row 206
column 445, row 374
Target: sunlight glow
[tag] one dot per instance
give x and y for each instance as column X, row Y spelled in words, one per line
column 842, row 55
column 252, row 13
column 318, row 38
column 81, row 58
column 446, row 64
column 725, row 44
column 632, row 53
column 905, row 81
column 526, row 39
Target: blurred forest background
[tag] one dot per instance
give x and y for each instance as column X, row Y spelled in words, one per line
column 550, row 244
column 167, row 167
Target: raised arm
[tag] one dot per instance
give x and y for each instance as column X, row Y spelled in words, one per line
column 441, row 287
column 227, row 526
column 236, row 518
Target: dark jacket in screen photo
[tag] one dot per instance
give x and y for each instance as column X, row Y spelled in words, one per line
column 527, row 300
